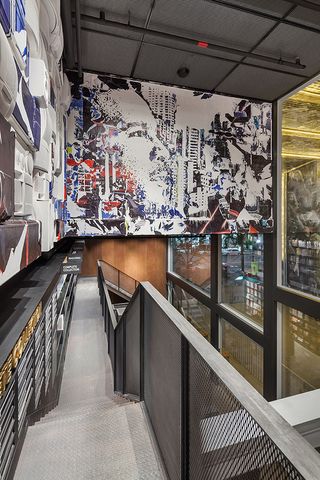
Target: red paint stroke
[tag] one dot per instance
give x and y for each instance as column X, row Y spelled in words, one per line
column 89, row 162
column 253, row 229
column 107, row 206
column 210, row 219
column 71, row 162
column 234, row 213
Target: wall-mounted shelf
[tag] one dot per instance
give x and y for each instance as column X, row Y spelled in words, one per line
column 29, row 322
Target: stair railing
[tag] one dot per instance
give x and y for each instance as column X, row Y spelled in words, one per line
column 118, row 280
column 209, row 422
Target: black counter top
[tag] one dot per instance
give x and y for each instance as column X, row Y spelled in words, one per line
column 20, row 296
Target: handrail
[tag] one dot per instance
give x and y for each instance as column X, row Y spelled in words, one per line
column 119, row 280
column 300, row 453
column 221, row 416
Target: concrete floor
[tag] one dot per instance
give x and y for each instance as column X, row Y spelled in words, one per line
column 87, row 371
column 92, row 434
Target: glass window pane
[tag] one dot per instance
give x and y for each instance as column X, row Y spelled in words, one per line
column 193, row 310
column 191, row 259
column 301, row 190
column 242, row 275
column 244, row 354
column 300, row 370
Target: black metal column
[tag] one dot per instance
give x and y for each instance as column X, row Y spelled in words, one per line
column 142, row 315
column 184, row 408
column 270, row 280
column 215, row 287
column 270, row 322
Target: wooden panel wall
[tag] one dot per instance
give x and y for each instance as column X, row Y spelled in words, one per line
column 141, row 258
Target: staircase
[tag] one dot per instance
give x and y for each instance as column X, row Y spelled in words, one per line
column 92, row 433
column 101, row 439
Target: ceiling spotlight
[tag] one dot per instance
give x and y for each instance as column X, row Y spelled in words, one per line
column 183, row 72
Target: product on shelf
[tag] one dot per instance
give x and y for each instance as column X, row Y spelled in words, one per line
column 23, row 183
column 8, row 77
column 7, row 146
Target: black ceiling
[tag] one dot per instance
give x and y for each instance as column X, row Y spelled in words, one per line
column 255, row 48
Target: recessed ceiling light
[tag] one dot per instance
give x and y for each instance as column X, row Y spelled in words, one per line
column 183, row 72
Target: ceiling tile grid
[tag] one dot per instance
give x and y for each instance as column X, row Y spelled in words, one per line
column 208, row 21
column 276, row 29
column 160, row 64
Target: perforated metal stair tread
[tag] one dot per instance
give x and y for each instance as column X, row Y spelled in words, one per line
column 110, row 444
column 78, row 413
column 85, row 404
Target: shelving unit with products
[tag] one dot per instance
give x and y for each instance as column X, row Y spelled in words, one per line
column 254, row 297
column 8, row 429
column 304, row 330
column 300, row 190
column 31, row 374
column 242, row 275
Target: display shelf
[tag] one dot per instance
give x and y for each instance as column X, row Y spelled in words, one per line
column 254, row 294
column 303, row 265
column 7, row 428
column 25, row 384
column 31, row 372
column 31, row 287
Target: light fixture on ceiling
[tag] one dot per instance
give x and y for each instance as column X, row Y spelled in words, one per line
column 183, row 72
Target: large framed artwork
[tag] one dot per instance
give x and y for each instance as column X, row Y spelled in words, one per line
column 148, row 159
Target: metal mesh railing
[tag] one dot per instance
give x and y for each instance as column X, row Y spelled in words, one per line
column 162, row 366
column 133, row 348
column 225, row 440
column 209, row 422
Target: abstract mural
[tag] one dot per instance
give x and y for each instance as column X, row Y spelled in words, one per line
column 147, row 159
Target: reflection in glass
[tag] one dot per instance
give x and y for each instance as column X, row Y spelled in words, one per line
column 300, row 370
column 244, row 354
column 301, row 190
column 191, row 259
column 193, row 310
column 242, row 274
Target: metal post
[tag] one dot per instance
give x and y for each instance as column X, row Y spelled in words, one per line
column 142, row 319
column 78, row 38
column 214, row 290
column 270, row 281
column 124, row 356
column 109, row 327
column 184, row 408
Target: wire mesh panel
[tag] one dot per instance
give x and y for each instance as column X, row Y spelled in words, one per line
column 118, row 373
column 132, row 377
column 225, row 442
column 162, row 383
column 111, row 344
